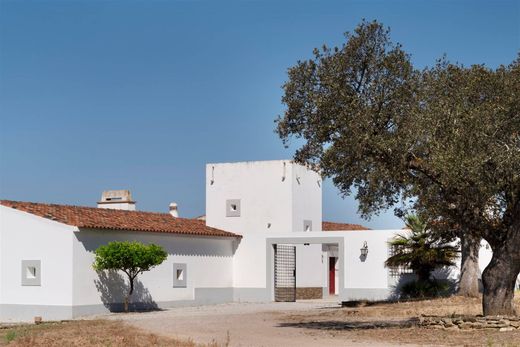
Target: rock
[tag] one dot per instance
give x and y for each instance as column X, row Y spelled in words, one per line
column 452, row 327
column 506, row 329
column 477, row 325
column 465, row 325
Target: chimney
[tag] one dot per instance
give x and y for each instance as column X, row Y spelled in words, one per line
column 117, row 200
column 173, row 210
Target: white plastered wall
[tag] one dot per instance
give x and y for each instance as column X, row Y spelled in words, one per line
column 24, row 236
column 209, row 265
column 307, row 206
column 276, row 197
column 369, row 272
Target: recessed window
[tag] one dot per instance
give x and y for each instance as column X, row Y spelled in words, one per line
column 31, row 272
column 233, row 208
column 180, row 275
column 307, row 225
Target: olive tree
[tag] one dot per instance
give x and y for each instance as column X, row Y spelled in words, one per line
column 446, row 136
column 132, row 258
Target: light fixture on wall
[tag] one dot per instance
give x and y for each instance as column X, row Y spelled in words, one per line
column 364, row 249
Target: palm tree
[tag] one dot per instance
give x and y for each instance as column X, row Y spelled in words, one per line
column 420, row 251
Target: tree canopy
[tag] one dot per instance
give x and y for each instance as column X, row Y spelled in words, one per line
column 445, row 140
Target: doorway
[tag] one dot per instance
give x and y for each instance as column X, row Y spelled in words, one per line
column 332, row 275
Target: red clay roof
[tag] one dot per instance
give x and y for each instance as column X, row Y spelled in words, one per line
column 331, row 226
column 101, row 218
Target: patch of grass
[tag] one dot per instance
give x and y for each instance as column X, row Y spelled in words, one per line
column 10, row 336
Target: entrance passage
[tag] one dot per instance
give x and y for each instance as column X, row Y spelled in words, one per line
column 284, row 273
column 332, row 275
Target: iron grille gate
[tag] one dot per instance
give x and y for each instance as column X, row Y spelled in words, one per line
column 284, row 273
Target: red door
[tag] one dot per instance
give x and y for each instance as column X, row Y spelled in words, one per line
column 332, row 275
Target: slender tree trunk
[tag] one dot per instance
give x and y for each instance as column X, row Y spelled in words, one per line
column 469, row 267
column 500, row 275
column 127, row 297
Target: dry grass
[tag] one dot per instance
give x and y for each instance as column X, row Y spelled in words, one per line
column 84, row 333
column 383, row 322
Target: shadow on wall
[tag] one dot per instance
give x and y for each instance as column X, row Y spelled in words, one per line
column 173, row 244
column 113, row 287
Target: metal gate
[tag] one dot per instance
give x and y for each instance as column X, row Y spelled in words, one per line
column 284, row 273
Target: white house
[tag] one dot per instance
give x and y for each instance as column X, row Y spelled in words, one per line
column 263, row 239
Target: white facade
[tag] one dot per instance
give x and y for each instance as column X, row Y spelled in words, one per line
column 275, row 197
column 69, row 285
column 24, row 236
column 267, row 202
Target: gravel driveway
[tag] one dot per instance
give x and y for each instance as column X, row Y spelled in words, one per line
column 247, row 324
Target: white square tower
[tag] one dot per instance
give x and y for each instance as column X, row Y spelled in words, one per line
column 277, row 196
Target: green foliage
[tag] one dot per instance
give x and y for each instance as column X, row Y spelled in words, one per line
column 444, row 140
column 420, row 250
column 129, row 257
column 132, row 258
column 424, row 289
column 10, row 336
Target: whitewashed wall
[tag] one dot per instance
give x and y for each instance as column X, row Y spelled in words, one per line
column 265, row 197
column 276, row 197
column 307, row 205
column 209, row 266
column 24, row 236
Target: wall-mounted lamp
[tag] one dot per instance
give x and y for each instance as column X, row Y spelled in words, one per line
column 364, row 249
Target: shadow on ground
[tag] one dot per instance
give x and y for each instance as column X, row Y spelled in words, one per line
column 352, row 325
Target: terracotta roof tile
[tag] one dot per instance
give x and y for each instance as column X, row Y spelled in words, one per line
column 331, row 226
column 101, row 218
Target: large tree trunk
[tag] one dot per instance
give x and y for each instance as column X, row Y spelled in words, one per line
column 500, row 275
column 469, row 267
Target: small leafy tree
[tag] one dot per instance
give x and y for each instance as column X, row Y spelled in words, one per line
column 132, row 258
column 420, row 251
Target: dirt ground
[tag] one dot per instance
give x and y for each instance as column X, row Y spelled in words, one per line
column 304, row 323
column 318, row 323
column 82, row 333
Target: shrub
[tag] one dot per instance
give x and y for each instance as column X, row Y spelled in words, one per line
column 424, row 289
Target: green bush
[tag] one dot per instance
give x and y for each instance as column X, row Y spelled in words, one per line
column 424, row 289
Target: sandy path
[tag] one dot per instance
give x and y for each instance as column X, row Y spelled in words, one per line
column 247, row 324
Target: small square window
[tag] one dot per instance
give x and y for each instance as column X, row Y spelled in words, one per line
column 180, row 275
column 31, row 272
column 233, row 208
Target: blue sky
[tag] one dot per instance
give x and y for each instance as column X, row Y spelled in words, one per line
column 141, row 94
